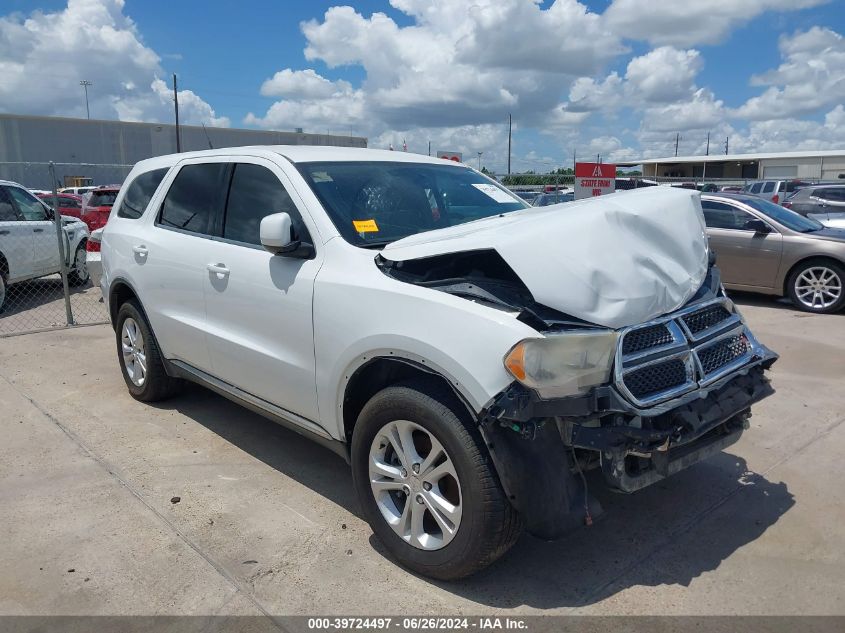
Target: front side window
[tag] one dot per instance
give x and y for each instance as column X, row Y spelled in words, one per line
column 195, row 197
column 30, row 206
column 718, row 215
column 833, row 194
column 788, row 218
column 139, row 194
column 374, row 203
column 256, row 192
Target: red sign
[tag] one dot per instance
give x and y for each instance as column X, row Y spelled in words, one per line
column 594, row 179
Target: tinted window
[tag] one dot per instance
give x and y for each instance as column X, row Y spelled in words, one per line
column 194, row 197
column 768, row 187
column 787, row 217
column 718, row 215
column 70, row 203
column 256, row 192
column 139, row 194
column 102, row 198
column 833, row 194
column 755, row 188
column 29, row 205
column 378, row 202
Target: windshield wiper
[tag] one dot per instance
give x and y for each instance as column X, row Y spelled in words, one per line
column 380, row 244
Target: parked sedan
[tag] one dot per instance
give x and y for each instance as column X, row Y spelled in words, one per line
column 763, row 247
column 97, row 207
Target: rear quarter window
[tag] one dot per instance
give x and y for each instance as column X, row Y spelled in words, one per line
column 139, row 194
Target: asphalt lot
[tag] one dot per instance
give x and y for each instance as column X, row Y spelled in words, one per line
column 267, row 522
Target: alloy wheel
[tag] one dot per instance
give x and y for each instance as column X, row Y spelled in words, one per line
column 415, row 485
column 80, row 265
column 133, row 352
column 818, row 287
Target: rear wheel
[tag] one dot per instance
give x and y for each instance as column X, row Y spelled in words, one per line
column 2, row 291
column 139, row 356
column 817, row 286
column 426, row 484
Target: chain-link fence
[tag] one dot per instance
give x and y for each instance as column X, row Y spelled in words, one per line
column 49, row 265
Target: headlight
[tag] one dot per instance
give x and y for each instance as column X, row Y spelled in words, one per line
column 563, row 364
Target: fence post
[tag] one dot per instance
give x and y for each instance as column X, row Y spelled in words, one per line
column 57, row 219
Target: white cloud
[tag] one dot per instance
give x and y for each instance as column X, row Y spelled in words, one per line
column 44, row 56
column 690, row 23
column 302, row 84
column 664, row 74
column 811, row 76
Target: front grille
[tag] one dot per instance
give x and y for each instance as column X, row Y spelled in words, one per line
column 720, row 354
column 655, row 378
column 703, row 319
column 646, row 338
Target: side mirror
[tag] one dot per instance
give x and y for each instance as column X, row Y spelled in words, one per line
column 758, row 226
column 276, row 236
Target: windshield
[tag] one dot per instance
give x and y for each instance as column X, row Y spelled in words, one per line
column 374, row 203
column 782, row 215
column 102, row 198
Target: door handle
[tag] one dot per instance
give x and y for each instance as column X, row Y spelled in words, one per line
column 218, row 269
column 140, row 250
column 37, row 230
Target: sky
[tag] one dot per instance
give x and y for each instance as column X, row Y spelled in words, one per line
column 616, row 78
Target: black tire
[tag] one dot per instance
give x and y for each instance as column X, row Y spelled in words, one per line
column 4, row 290
column 489, row 524
column 157, row 384
column 794, row 277
column 74, row 277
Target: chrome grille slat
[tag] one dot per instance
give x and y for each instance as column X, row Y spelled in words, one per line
column 691, row 348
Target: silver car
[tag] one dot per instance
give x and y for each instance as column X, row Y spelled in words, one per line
column 762, row 247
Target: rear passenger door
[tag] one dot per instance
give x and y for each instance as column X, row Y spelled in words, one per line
column 16, row 239
column 259, row 306
column 45, row 248
column 171, row 256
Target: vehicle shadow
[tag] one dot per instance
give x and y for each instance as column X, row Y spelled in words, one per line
column 667, row 534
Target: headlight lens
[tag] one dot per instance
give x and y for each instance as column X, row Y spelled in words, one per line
column 563, row 364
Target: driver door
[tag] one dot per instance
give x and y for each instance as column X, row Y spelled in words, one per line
column 745, row 257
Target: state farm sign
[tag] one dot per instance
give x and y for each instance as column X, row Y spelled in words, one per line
column 594, row 179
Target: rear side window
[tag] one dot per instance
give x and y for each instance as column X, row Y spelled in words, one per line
column 718, row 215
column 768, row 187
column 195, row 197
column 8, row 213
column 139, row 194
column 102, row 198
column 256, row 192
column 755, row 188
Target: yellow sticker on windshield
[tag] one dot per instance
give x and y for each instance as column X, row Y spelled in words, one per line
column 365, row 226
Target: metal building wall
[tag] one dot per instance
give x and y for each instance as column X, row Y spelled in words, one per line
column 103, row 150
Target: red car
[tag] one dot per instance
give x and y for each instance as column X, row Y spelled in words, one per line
column 69, row 203
column 97, row 206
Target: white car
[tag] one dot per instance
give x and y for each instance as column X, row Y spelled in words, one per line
column 468, row 354
column 28, row 244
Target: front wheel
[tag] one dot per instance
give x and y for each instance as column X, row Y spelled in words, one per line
column 78, row 273
column 426, row 484
column 817, row 286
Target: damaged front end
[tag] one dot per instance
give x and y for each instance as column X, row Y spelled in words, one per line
column 681, row 390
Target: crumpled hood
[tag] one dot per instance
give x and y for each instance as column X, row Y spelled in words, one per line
column 615, row 260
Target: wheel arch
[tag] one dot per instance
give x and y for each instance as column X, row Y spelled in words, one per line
column 121, row 291
column 4, row 266
column 380, row 371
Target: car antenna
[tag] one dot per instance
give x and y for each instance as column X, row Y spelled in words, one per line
column 210, row 146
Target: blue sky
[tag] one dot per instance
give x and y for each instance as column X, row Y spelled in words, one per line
column 619, row 78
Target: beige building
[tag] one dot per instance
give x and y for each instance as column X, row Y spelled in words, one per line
column 822, row 165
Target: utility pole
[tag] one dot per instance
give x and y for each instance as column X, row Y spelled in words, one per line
column 176, row 106
column 510, row 127
column 707, row 153
column 85, row 83
column 429, row 148
column 677, row 140
column 727, row 138
column 479, row 160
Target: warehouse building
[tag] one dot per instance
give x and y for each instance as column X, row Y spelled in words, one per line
column 821, row 165
column 104, row 151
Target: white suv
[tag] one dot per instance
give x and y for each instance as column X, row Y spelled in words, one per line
column 28, row 244
column 468, row 354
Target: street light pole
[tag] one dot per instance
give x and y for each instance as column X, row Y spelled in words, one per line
column 479, row 160
column 85, row 83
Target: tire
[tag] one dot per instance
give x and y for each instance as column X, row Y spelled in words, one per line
column 152, row 383
column 4, row 289
column 817, row 285
column 78, row 275
column 487, row 524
